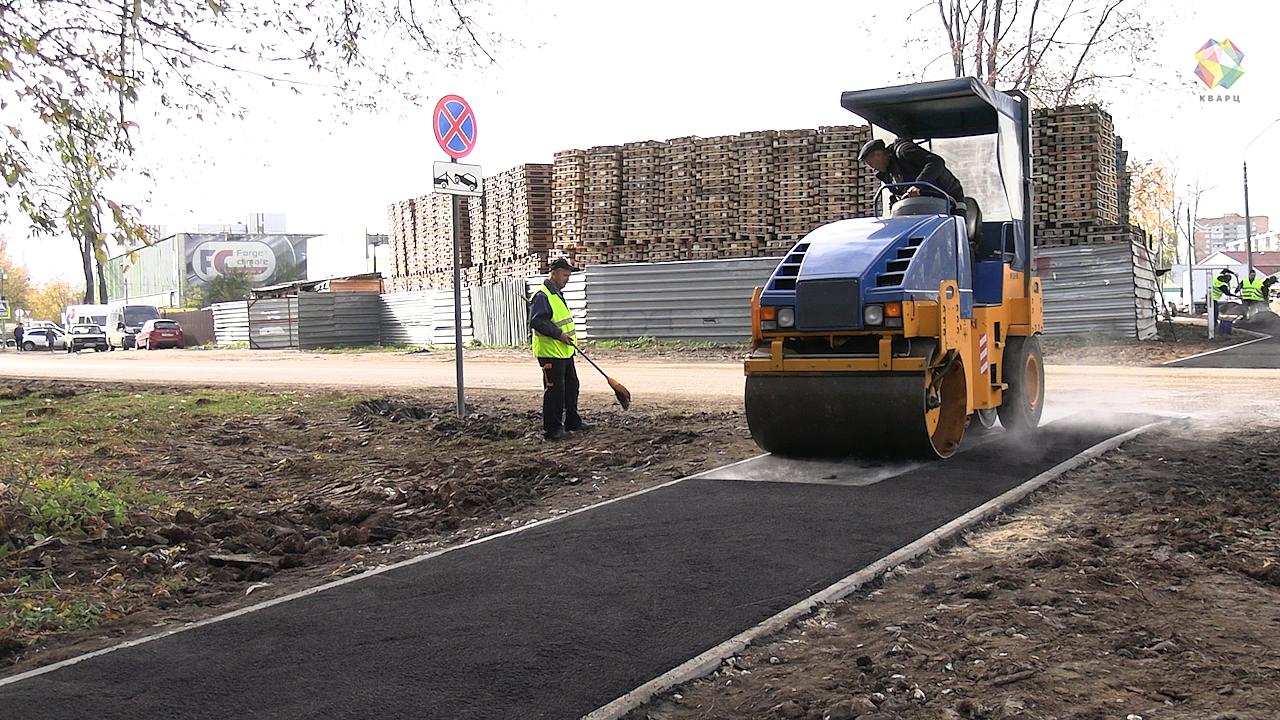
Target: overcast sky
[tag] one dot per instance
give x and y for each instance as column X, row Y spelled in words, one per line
column 593, row 73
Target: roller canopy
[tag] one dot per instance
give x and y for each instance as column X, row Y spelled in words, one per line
column 945, row 108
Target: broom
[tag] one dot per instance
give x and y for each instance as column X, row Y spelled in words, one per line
column 620, row 391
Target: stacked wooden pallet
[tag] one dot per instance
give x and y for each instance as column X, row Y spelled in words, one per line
column 757, row 193
column 716, row 204
column 679, row 200
column 1124, row 183
column 400, row 222
column 568, row 186
column 797, row 181
column 602, row 198
column 641, row 200
column 844, row 185
column 1074, row 154
column 1078, row 188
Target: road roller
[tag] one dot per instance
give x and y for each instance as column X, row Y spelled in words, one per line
column 892, row 336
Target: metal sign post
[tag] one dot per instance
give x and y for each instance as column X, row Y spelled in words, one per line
column 454, row 125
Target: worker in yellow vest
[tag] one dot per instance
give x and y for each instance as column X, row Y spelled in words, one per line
column 1222, row 286
column 553, row 341
column 1251, row 291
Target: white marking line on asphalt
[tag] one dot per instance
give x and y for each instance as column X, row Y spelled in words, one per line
column 709, row 661
column 327, row 586
column 1211, row 352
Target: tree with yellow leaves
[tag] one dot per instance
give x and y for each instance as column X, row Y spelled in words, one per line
column 1151, row 204
column 50, row 299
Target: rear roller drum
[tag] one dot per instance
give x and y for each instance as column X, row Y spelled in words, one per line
column 1023, row 402
column 918, row 415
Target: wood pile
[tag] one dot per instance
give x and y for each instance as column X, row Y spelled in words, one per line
column 679, row 200
column 602, row 200
column 504, row 234
column 1078, row 188
column 642, row 174
column 748, row 195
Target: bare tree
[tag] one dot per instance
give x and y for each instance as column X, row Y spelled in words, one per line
column 1057, row 51
column 76, row 77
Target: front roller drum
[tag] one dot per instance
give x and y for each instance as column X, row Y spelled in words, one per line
column 875, row 415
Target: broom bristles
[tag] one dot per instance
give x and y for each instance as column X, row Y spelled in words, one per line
column 622, row 393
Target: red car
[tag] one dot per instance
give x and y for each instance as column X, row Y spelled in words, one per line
column 160, row 333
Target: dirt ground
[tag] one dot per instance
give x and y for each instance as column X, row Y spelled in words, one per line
column 1145, row 585
column 1183, row 341
column 243, row 506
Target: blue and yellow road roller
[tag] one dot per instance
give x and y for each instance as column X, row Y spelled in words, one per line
column 890, row 336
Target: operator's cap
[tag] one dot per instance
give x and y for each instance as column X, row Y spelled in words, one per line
column 562, row 264
column 869, row 147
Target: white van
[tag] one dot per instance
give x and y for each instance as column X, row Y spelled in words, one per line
column 125, row 321
column 86, row 315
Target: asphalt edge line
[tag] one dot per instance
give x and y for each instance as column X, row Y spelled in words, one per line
column 337, row 583
column 709, row 661
column 1262, row 336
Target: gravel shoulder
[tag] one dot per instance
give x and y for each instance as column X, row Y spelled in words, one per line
column 1144, row 585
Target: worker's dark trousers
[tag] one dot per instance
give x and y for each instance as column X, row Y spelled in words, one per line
column 559, row 394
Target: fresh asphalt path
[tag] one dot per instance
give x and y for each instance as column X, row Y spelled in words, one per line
column 550, row 622
column 1261, row 354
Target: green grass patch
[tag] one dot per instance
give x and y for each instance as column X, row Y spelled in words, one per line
column 37, row 603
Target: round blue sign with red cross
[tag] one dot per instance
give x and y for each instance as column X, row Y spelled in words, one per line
column 455, row 126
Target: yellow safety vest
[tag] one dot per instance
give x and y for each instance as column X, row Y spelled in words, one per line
column 1251, row 289
column 1220, row 285
column 544, row 346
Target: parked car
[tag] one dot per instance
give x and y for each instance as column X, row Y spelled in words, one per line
column 39, row 339
column 85, row 336
column 160, row 333
column 124, row 322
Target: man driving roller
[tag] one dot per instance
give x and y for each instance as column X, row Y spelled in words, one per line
column 905, row 161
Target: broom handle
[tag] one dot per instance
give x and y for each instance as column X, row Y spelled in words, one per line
column 528, row 301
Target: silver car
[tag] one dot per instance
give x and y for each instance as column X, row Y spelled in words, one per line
column 45, row 338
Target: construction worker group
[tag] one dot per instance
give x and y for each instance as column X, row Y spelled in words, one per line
column 1254, row 291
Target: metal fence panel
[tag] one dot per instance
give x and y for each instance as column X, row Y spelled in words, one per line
column 230, row 322
column 273, row 323
column 197, row 325
column 423, row 317
column 500, row 314
column 1095, row 290
column 707, row 300
column 339, row 319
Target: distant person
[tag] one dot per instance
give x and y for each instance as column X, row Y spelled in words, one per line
column 904, row 162
column 1222, row 286
column 18, row 332
column 1251, row 293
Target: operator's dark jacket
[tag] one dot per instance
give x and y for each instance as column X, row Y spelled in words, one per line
column 908, row 162
column 540, row 312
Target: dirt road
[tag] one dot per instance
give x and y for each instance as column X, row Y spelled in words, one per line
column 1194, row 391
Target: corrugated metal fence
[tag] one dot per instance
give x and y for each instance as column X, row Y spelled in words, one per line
column 499, row 315
column 273, row 323
column 344, row 319
column 1091, row 289
column 231, row 322
column 1098, row 290
column 423, row 317
column 197, row 325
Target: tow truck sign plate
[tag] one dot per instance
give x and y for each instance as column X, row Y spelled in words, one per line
column 456, row 179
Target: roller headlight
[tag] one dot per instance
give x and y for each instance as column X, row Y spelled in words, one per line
column 873, row 315
column 786, row 317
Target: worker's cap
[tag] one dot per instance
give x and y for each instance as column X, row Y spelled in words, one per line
column 562, row 264
column 870, row 147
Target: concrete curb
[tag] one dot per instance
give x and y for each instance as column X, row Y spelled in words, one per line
column 1260, row 338
column 709, row 661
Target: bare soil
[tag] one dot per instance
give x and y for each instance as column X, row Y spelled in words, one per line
column 271, row 503
column 1145, row 585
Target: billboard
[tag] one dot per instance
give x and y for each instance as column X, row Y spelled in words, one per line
column 266, row 259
